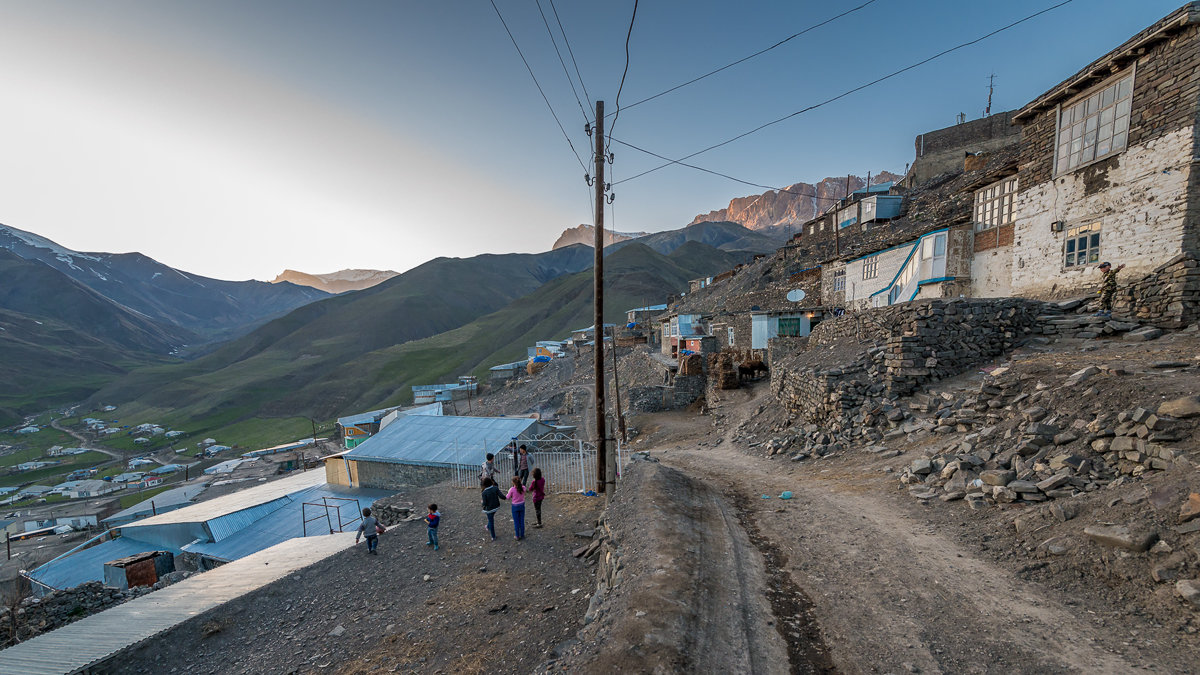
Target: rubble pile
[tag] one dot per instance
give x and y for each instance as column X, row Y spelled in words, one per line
column 1039, row 455
column 33, row 616
column 722, row 373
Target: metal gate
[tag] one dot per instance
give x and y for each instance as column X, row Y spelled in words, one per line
column 567, row 465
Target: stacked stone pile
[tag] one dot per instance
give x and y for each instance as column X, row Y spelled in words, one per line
column 1042, row 456
column 722, row 373
column 34, row 616
column 1169, row 297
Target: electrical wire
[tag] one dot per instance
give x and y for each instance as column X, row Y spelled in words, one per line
column 570, row 51
column 745, row 58
column 586, row 119
column 617, row 103
column 539, row 86
column 844, row 94
column 722, row 175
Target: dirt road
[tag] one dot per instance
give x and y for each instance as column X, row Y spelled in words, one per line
column 84, row 443
column 892, row 588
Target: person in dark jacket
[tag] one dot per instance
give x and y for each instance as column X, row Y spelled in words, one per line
column 491, row 504
column 371, row 528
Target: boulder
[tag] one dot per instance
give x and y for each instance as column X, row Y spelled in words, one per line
column 1190, row 508
column 1143, row 334
column 998, row 477
column 1189, row 590
column 1187, row 406
column 1120, row 536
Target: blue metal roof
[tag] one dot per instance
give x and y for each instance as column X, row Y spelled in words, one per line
column 877, row 187
column 648, row 308
column 168, row 500
column 510, row 366
column 364, row 418
column 441, row 440
column 87, row 564
column 284, row 521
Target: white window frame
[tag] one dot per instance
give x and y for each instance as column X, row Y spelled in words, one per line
column 839, row 280
column 871, row 267
column 995, row 204
column 1087, row 113
column 1090, row 233
column 731, row 334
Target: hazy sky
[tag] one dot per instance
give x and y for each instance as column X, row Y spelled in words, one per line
column 236, row 139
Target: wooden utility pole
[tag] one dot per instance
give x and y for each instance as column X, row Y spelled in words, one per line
column 598, row 307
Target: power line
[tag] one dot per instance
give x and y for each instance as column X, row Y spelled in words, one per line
column 623, row 74
column 744, row 59
column 570, row 51
column 570, row 81
column 851, row 91
column 722, row 175
column 539, row 86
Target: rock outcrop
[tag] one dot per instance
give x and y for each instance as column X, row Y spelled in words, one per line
column 585, row 234
column 773, row 209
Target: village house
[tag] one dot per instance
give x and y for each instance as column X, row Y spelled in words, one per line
column 507, row 371
column 1108, row 172
column 424, row 394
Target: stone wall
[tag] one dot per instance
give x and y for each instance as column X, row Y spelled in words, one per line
column 1169, row 297
column 887, row 353
column 943, row 150
column 390, row 476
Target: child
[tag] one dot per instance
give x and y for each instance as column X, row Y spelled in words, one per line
column 522, row 465
column 370, row 526
column 491, row 504
column 538, row 492
column 516, row 495
column 432, row 519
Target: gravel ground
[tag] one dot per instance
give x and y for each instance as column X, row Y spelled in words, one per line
column 472, row 606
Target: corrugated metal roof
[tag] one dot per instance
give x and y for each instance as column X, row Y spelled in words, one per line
column 510, row 366
column 227, row 525
column 287, row 521
column 163, row 501
column 96, row 638
column 441, row 440
column 648, row 308
column 232, row 503
column 364, row 418
column 88, row 564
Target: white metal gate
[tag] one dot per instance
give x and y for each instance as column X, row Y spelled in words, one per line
column 567, row 465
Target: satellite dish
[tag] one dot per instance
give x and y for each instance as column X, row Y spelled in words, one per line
column 796, row 295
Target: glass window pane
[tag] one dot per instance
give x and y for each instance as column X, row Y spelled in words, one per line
column 1070, row 246
column 1090, row 125
column 1105, row 132
column 1123, row 88
column 1123, row 108
column 1108, row 96
column 1094, row 255
column 1104, row 147
column 1095, row 240
column 1121, row 124
column 939, row 245
column 1069, row 260
column 1106, row 116
column 1119, row 141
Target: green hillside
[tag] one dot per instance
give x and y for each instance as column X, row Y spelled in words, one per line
column 354, row 352
column 271, row 371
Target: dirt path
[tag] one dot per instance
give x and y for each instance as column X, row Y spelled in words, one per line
column 890, row 590
column 85, row 443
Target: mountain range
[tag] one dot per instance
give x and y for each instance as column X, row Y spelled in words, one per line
column 586, row 235
column 336, row 282
column 794, row 205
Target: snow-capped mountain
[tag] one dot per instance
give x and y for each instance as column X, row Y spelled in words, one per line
column 336, row 282
column 209, row 308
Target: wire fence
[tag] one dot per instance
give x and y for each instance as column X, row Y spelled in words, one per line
column 567, row 466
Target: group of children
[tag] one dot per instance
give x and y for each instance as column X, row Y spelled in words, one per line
column 516, row 496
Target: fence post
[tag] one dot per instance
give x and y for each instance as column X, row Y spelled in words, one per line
column 582, row 473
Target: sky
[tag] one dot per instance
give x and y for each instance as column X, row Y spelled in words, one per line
column 234, row 139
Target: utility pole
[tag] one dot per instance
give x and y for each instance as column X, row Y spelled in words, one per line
column 617, row 390
column 602, row 478
column 991, row 88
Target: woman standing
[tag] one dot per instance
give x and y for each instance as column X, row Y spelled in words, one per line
column 538, row 492
column 516, row 496
column 491, row 504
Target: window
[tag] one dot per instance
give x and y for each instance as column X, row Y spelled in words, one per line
column 994, row 205
column 871, row 267
column 1083, row 245
column 730, row 336
column 839, row 280
column 1095, row 126
column 793, row 326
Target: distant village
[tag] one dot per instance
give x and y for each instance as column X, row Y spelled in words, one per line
column 1024, row 203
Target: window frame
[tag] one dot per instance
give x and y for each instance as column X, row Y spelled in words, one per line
column 995, row 209
column 839, row 280
column 1096, row 90
column 1090, row 233
column 731, row 335
column 871, row 268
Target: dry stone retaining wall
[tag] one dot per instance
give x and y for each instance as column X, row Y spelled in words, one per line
column 905, row 346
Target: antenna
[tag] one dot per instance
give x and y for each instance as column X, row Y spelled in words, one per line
column 987, row 112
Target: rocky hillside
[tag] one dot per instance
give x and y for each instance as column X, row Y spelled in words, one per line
column 585, row 234
column 800, row 203
column 341, row 281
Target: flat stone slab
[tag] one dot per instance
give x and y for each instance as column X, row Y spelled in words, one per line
column 1120, row 536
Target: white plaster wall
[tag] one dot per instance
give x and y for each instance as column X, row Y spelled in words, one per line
column 991, row 273
column 1142, row 212
column 859, row 290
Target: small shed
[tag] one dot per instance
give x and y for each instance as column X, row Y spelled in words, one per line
column 140, row 569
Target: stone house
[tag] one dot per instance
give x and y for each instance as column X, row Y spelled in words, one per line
column 1107, row 171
